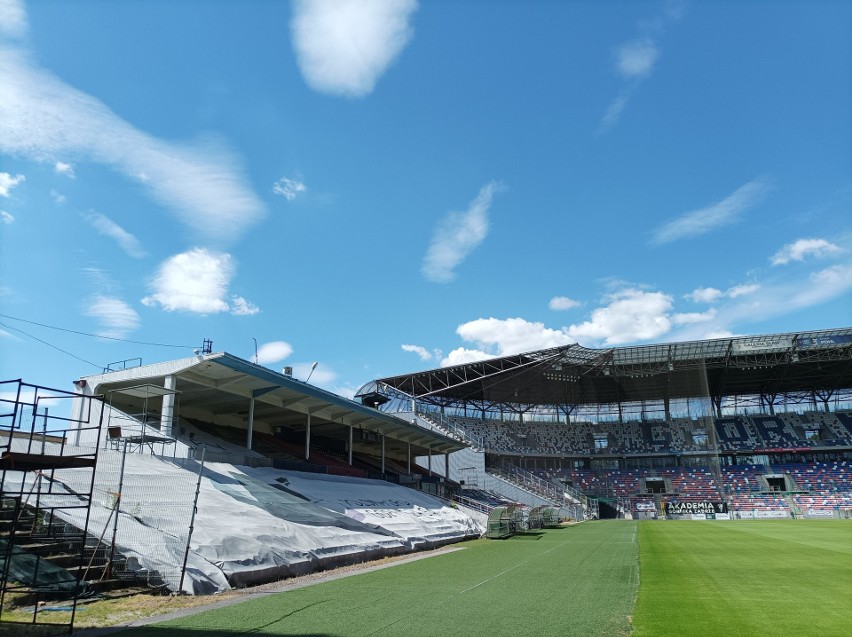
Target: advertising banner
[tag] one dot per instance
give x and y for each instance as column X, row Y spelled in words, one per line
column 692, row 508
column 824, row 341
column 771, row 514
column 819, row 513
column 760, row 344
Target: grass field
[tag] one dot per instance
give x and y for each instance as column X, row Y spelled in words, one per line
column 578, row 580
column 758, row 577
column 773, row 577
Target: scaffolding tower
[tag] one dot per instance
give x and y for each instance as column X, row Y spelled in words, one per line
column 46, row 486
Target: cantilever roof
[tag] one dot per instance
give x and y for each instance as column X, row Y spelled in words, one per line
column 574, row 375
column 223, row 384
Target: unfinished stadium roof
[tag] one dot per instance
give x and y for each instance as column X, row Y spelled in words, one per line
column 767, row 365
column 223, row 384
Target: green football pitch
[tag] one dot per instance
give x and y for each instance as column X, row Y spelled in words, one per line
column 756, row 577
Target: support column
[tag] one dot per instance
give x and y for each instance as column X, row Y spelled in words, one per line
column 350, row 445
column 250, row 423
column 167, row 413
column 430, row 460
column 447, row 466
column 383, row 454
column 308, row 438
column 81, row 402
column 409, row 458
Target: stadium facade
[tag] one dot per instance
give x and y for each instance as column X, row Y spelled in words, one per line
column 649, row 429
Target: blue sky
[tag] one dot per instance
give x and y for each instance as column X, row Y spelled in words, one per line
column 383, row 187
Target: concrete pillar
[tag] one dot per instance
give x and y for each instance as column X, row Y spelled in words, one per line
column 447, row 466
column 308, row 438
column 409, row 457
column 167, row 413
column 383, row 454
column 350, row 445
column 250, row 423
column 83, row 406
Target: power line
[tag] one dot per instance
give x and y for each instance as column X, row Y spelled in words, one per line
column 9, row 327
column 110, row 338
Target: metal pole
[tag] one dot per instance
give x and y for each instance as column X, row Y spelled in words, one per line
column 117, row 509
column 192, row 518
column 44, row 430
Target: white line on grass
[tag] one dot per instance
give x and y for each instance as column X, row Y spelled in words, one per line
column 509, row 570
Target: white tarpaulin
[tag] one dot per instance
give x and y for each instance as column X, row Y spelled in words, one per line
column 251, row 525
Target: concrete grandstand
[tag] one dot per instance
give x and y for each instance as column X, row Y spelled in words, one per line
column 207, row 473
column 756, row 426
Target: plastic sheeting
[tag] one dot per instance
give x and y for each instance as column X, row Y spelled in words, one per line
column 253, row 525
column 417, row 519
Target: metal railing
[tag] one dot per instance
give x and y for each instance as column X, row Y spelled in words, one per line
column 452, row 428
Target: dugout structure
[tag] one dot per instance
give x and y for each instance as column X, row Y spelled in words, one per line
column 647, row 406
column 504, row 521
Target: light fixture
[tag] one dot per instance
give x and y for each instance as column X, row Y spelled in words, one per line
column 313, row 367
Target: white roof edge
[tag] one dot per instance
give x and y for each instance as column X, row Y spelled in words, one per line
column 147, row 371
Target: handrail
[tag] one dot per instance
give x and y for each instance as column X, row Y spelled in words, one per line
column 452, row 428
column 547, row 487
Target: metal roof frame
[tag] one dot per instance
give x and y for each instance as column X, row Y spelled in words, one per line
column 769, row 365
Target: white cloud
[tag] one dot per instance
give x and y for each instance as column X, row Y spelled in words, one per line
column 242, row 307
column 690, row 318
column 107, row 227
column 5, row 217
column 58, row 198
column 771, row 299
column 822, row 286
column 615, row 109
column 801, row 248
column 193, row 281
column 636, row 59
column 273, row 352
column 344, row 46
column 713, row 334
column 13, row 19
column 117, row 319
column 711, row 295
column 724, row 213
column 563, row 303
column 742, row 290
column 289, row 188
column 422, row 352
column 510, row 336
column 631, row 315
column 42, row 117
column 64, row 169
column 7, row 182
column 347, row 391
column 634, row 62
column 457, row 235
column 462, row 355
column 704, row 295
